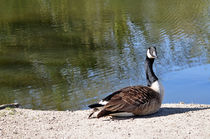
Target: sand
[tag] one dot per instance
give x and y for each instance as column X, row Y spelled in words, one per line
column 172, row 121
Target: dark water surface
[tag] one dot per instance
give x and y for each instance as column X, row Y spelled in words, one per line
column 61, row 54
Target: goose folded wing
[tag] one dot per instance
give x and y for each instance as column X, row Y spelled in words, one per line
column 130, row 98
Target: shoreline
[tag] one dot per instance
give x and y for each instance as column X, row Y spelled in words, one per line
column 171, row 121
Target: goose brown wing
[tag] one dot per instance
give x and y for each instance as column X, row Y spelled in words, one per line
column 130, row 98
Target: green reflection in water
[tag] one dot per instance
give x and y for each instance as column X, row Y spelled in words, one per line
column 63, row 54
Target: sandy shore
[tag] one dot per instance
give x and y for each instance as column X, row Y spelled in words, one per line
column 172, row 121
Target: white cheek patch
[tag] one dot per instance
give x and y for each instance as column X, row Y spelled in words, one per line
column 154, row 54
column 149, row 55
column 103, row 102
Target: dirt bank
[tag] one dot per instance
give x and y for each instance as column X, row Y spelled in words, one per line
column 172, row 121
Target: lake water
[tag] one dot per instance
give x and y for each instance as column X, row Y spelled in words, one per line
column 64, row 55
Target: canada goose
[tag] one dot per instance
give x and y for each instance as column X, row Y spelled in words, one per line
column 134, row 100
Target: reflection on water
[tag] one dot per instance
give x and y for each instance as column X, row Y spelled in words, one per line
column 67, row 54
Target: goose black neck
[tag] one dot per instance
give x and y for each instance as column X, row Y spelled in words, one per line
column 150, row 75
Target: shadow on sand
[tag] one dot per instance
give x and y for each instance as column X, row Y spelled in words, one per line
column 164, row 112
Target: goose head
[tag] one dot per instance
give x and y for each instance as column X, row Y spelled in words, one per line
column 151, row 53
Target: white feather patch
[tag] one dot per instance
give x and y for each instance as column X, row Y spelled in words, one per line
column 154, row 54
column 157, row 86
column 122, row 114
column 149, row 55
column 103, row 102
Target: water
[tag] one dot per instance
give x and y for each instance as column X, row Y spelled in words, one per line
column 62, row 54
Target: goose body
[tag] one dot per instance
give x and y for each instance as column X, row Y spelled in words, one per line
column 133, row 100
